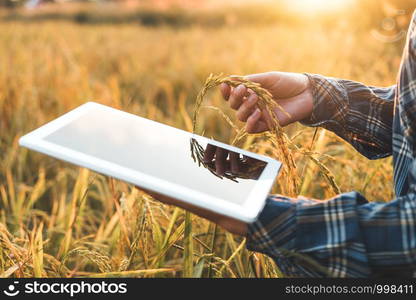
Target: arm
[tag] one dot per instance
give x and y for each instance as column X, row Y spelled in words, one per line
column 362, row 115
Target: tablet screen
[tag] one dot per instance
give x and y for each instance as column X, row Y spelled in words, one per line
column 162, row 152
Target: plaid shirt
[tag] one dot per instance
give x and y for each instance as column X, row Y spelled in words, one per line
column 347, row 236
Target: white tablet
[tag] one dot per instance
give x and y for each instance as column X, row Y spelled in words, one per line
column 160, row 158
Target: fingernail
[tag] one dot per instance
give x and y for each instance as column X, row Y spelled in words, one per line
column 257, row 113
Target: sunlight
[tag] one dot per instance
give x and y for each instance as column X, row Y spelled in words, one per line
column 318, row 6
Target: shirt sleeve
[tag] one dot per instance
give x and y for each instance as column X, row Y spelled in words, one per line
column 361, row 115
column 345, row 236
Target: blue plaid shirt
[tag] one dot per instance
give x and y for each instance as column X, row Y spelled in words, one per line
column 347, row 236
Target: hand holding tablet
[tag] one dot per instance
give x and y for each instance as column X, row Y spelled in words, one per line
column 195, row 170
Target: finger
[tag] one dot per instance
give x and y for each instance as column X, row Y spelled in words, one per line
column 294, row 109
column 247, row 108
column 220, row 160
column 236, row 96
column 264, row 79
column 254, row 124
column 209, row 153
column 225, row 90
column 234, row 161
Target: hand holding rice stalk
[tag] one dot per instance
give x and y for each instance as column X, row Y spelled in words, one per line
column 281, row 145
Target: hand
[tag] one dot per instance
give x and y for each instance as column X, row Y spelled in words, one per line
column 291, row 91
column 222, row 162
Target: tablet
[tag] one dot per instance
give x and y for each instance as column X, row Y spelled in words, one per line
column 159, row 158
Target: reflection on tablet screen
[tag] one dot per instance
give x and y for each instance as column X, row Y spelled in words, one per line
column 159, row 151
column 224, row 163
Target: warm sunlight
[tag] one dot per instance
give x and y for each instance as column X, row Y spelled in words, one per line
column 318, row 6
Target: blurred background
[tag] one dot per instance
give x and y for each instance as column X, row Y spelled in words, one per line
column 151, row 57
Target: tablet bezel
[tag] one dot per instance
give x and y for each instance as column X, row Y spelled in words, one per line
column 246, row 211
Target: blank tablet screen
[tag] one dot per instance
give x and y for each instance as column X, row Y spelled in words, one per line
column 159, row 151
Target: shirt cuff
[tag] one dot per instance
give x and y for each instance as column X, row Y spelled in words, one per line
column 330, row 103
column 274, row 230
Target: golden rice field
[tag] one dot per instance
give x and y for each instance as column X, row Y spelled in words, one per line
column 58, row 220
